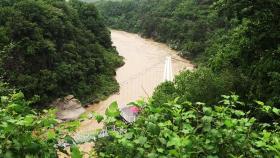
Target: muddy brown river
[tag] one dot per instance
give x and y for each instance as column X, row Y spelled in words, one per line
column 142, row 72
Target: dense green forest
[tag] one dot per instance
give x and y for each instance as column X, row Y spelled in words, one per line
column 236, row 45
column 49, row 49
column 53, row 48
column 228, row 107
column 236, row 42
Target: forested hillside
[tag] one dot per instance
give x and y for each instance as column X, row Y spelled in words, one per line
column 49, row 49
column 182, row 24
column 229, row 105
column 236, row 41
column 53, row 48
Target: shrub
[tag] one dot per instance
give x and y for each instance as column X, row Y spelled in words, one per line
column 184, row 129
column 24, row 132
column 201, row 85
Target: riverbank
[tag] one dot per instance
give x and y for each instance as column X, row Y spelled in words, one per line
column 141, row 74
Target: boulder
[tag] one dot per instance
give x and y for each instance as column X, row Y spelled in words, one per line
column 68, row 108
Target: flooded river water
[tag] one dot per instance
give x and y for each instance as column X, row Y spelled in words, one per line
column 142, row 72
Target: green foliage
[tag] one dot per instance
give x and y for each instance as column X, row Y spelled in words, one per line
column 174, row 129
column 25, row 132
column 180, row 23
column 235, row 39
column 54, row 48
column 99, row 118
column 250, row 46
column 75, row 152
column 164, row 92
column 200, row 85
column 113, row 110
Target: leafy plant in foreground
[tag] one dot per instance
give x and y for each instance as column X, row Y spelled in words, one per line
column 29, row 133
column 184, row 129
column 23, row 131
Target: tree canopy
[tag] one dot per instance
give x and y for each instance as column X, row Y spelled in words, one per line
column 54, row 48
column 237, row 40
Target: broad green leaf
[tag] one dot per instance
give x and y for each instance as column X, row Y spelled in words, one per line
column 138, row 103
column 17, row 96
column 260, row 144
column 186, row 141
column 225, row 96
column 260, row 103
column 51, row 134
column 276, row 111
column 75, row 152
column 128, row 135
column 176, row 100
column 228, row 123
column 110, row 120
column 160, row 150
column 4, row 99
column 266, row 108
column 28, row 120
column 239, row 113
column 162, row 140
column 141, row 140
column 113, row 110
column 174, row 141
column 207, row 110
column 99, row 118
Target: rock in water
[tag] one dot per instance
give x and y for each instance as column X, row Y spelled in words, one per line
column 68, row 108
